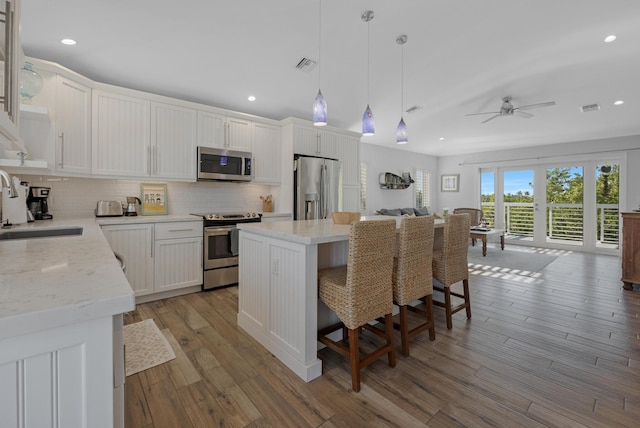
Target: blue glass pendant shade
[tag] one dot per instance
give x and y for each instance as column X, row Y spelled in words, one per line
column 319, row 110
column 368, row 125
column 401, row 133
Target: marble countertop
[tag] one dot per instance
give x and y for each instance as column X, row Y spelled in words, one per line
column 56, row 281
column 312, row 231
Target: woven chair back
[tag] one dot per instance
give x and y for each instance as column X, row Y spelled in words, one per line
column 454, row 249
column 412, row 276
column 475, row 215
column 370, row 270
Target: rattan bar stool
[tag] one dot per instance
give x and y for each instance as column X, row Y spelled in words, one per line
column 475, row 216
column 412, row 276
column 361, row 292
column 450, row 265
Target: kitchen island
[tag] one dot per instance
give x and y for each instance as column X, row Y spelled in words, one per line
column 278, row 288
column 61, row 300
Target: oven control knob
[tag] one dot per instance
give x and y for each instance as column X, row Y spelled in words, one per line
column 216, row 216
column 254, row 215
column 247, row 215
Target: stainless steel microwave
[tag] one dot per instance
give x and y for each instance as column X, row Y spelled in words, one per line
column 223, row 165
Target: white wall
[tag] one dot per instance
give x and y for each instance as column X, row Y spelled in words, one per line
column 468, row 166
column 382, row 159
column 77, row 197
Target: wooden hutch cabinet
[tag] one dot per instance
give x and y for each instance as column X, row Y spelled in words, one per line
column 630, row 249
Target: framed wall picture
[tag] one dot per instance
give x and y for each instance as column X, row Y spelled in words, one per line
column 154, row 199
column 450, row 182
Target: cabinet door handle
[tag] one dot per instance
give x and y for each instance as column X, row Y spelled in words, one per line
column 61, row 150
column 181, row 230
column 149, row 159
column 153, row 240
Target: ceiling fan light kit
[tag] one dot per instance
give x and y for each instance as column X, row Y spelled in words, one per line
column 507, row 109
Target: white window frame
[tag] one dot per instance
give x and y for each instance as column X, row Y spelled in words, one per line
column 422, row 178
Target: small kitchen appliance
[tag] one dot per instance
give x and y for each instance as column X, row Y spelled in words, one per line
column 132, row 207
column 108, row 209
column 37, row 202
column 221, row 247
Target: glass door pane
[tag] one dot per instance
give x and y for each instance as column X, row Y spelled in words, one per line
column 564, row 205
column 607, row 205
column 518, row 197
column 488, row 196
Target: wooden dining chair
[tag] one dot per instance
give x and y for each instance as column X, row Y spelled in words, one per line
column 361, row 292
column 412, row 277
column 450, row 265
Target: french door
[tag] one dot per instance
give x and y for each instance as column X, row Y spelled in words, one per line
column 561, row 205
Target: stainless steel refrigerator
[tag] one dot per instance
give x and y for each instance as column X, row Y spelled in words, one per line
column 316, row 187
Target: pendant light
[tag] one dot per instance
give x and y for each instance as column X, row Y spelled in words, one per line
column 368, row 126
column 401, row 132
column 319, row 104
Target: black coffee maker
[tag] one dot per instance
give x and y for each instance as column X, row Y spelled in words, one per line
column 37, row 203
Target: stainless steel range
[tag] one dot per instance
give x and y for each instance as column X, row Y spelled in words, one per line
column 221, row 247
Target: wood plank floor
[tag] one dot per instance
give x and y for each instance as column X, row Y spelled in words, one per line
column 561, row 348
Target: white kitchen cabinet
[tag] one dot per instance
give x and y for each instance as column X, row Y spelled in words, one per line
column 216, row 130
column 135, row 243
column 121, row 141
column 73, row 127
column 348, row 149
column 314, row 142
column 173, row 142
column 57, row 377
column 159, row 257
column 10, row 54
column 266, row 153
column 177, row 255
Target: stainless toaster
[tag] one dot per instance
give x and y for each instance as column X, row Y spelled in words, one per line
column 108, row 209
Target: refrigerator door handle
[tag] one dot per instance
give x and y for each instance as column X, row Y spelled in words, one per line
column 323, row 195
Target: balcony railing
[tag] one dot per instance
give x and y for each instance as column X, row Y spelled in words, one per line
column 564, row 221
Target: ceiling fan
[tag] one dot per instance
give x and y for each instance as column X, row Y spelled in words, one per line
column 508, row 109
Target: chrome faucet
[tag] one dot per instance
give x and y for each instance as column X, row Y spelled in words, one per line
column 13, row 193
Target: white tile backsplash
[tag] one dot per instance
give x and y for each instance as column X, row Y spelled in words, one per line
column 76, row 197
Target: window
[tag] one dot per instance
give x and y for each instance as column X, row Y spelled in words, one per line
column 363, row 187
column 422, row 188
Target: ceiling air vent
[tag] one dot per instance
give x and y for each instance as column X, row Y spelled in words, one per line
column 413, row 109
column 589, row 107
column 306, row 65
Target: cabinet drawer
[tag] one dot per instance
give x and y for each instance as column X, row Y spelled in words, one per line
column 178, row 229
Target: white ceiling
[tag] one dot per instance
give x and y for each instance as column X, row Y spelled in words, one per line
column 462, row 56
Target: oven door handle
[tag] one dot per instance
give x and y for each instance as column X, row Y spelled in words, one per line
column 218, row 231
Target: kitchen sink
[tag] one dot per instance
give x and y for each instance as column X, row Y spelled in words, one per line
column 40, row 233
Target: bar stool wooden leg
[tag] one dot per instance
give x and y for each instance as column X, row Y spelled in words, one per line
column 465, row 284
column 404, row 329
column 447, row 306
column 428, row 302
column 354, row 357
column 388, row 322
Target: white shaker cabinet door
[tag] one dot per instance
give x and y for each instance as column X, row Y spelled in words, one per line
column 211, row 130
column 73, row 127
column 135, row 243
column 178, row 263
column 267, row 150
column 173, row 142
column 121, row 143
column 349, row 153
column 305, row 141
column 239, row 134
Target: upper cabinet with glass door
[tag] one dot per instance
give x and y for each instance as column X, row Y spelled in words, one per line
column 10, row 59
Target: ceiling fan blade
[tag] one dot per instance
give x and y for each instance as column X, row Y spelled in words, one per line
column 527, row 107
column 491, row 118
column 523, row 114
column 486, row 112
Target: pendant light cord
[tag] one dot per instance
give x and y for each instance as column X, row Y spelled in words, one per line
column 368, row 58
column 319, row 40
column 402, row 85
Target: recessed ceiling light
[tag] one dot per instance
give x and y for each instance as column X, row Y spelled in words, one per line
column 618, row 103
column 251, row 98
column 610, row 38
column 441, row 138
column 68, row 42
